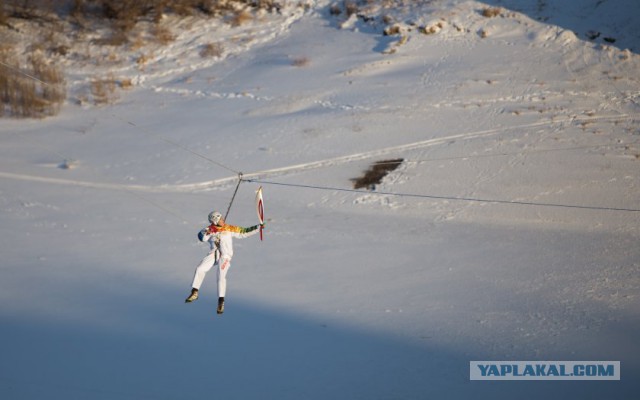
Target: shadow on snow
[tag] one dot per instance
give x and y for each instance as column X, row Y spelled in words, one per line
column 172, row 350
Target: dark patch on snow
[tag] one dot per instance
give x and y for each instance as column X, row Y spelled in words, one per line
column 375, row 173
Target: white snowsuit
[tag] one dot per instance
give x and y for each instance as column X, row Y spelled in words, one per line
column 220, row 240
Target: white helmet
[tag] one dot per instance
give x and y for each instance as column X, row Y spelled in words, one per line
column 215, row 217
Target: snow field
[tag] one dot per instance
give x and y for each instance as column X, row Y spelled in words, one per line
column 350, row 295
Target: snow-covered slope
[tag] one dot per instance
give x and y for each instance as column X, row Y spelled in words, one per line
column 509, row 232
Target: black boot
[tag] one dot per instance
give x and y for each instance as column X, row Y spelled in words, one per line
column 220, row 305
column 193, row 296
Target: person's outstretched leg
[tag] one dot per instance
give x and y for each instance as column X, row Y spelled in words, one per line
column 223, row 268
column 201, row 271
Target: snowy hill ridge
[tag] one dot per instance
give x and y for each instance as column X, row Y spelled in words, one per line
column 508, row 232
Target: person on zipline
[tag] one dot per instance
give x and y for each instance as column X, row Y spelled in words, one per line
column 219, row 235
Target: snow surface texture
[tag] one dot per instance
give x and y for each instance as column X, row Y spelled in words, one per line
column 519, row 242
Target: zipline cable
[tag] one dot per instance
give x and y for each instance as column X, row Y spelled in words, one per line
column 241, row 179
column 176, row 144
column 165, row 139
column 452, row 198
column 195, row 153
column 23, row 73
